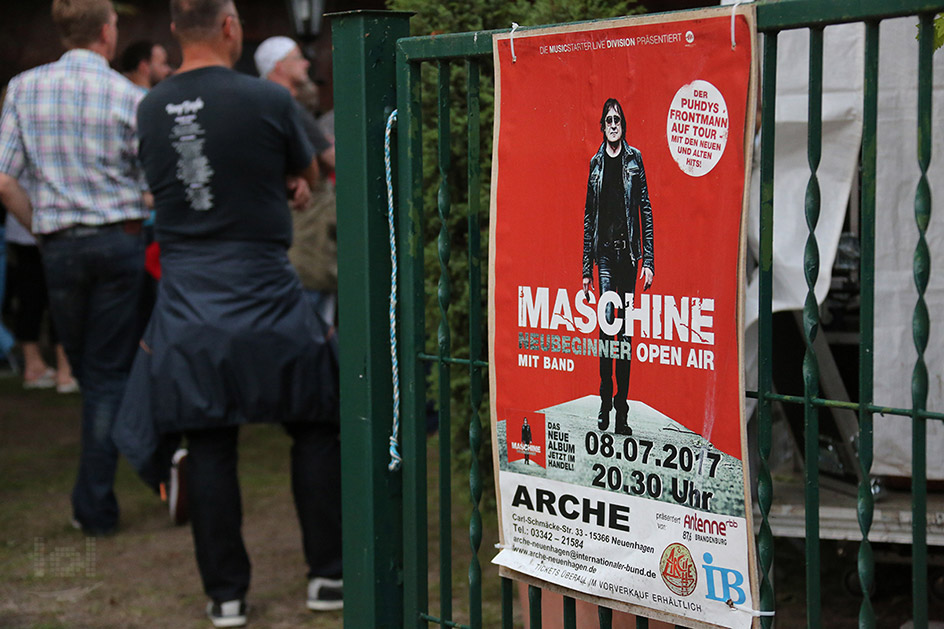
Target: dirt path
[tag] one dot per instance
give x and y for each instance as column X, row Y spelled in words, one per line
column 51, row 576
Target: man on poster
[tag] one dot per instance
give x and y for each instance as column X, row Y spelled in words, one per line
column 526, row 441
column 617, row 235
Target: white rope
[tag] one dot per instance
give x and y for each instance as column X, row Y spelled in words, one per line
column 734, row 9
column 395, row 459
column 514, row 27
column 747, row 610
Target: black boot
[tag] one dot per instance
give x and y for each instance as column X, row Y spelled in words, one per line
column 622, row 410
column 603, row 417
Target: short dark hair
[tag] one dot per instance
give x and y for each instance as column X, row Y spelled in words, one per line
column 134, row 54
column 79, row 22
column 196, row 19
column 612, row 102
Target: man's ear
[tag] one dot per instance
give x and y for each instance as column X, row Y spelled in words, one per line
column 173, row 29
column 228, row 26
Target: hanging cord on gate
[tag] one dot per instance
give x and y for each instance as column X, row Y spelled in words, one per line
column 395, row 459
column 734, row 9
column 511, row 40
column 747, row 610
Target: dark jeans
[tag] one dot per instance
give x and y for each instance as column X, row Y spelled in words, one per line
column 94, row 283
column 6, row 339
column 617, row 273
column 216, row 506
column 26, row 290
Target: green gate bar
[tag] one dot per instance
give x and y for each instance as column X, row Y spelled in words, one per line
column 412, row 334
column 866, row 502
column 810, row 327
column 475, row 341
column 920, row 328
column 534, row 605
column 444, row 344
column 570, row 613
column 765, row 537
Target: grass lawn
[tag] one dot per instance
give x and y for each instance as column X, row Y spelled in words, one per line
column 51, row 576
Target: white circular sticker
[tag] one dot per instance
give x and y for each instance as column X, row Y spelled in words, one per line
column 697, row 127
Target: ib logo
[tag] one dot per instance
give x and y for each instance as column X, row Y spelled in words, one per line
column 723, row 583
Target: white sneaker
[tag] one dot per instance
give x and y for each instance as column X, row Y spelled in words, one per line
column 228, row 614
column 325, row 595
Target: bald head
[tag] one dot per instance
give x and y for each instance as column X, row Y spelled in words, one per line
column 209, row 31
column 199, row 20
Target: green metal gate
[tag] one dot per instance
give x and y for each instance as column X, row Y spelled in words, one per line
column 386, row 548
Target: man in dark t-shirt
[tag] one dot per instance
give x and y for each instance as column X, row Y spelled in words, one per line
column 617, row 236
column 232, row 339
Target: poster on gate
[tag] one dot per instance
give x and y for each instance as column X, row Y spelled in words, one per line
column 622, row 153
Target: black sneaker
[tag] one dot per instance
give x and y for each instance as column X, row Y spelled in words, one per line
column 177, row 492
column 325, row 594
column 228, row 614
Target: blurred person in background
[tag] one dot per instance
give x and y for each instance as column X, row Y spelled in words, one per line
column 27, row 303
column 232, row 339
column 69, row 172
column 144, row 64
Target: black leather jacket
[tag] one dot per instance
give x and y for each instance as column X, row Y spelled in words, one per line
column 638, row 209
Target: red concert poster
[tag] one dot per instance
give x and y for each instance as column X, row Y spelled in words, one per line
column 621, row 156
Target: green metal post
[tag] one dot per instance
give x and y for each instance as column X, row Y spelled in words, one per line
column 364, row 53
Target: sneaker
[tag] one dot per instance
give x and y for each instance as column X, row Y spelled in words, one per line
column 74, row 522
column 70, row 386
column 45, row 380
column 177, row 492
column 228, row 614
column 325, row 595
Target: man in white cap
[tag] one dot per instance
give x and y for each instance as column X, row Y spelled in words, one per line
column 280, row 60
column 314, row 251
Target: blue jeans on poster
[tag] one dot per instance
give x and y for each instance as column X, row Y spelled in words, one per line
column 95, row 284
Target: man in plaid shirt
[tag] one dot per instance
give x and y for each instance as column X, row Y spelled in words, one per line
column 69, row 171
